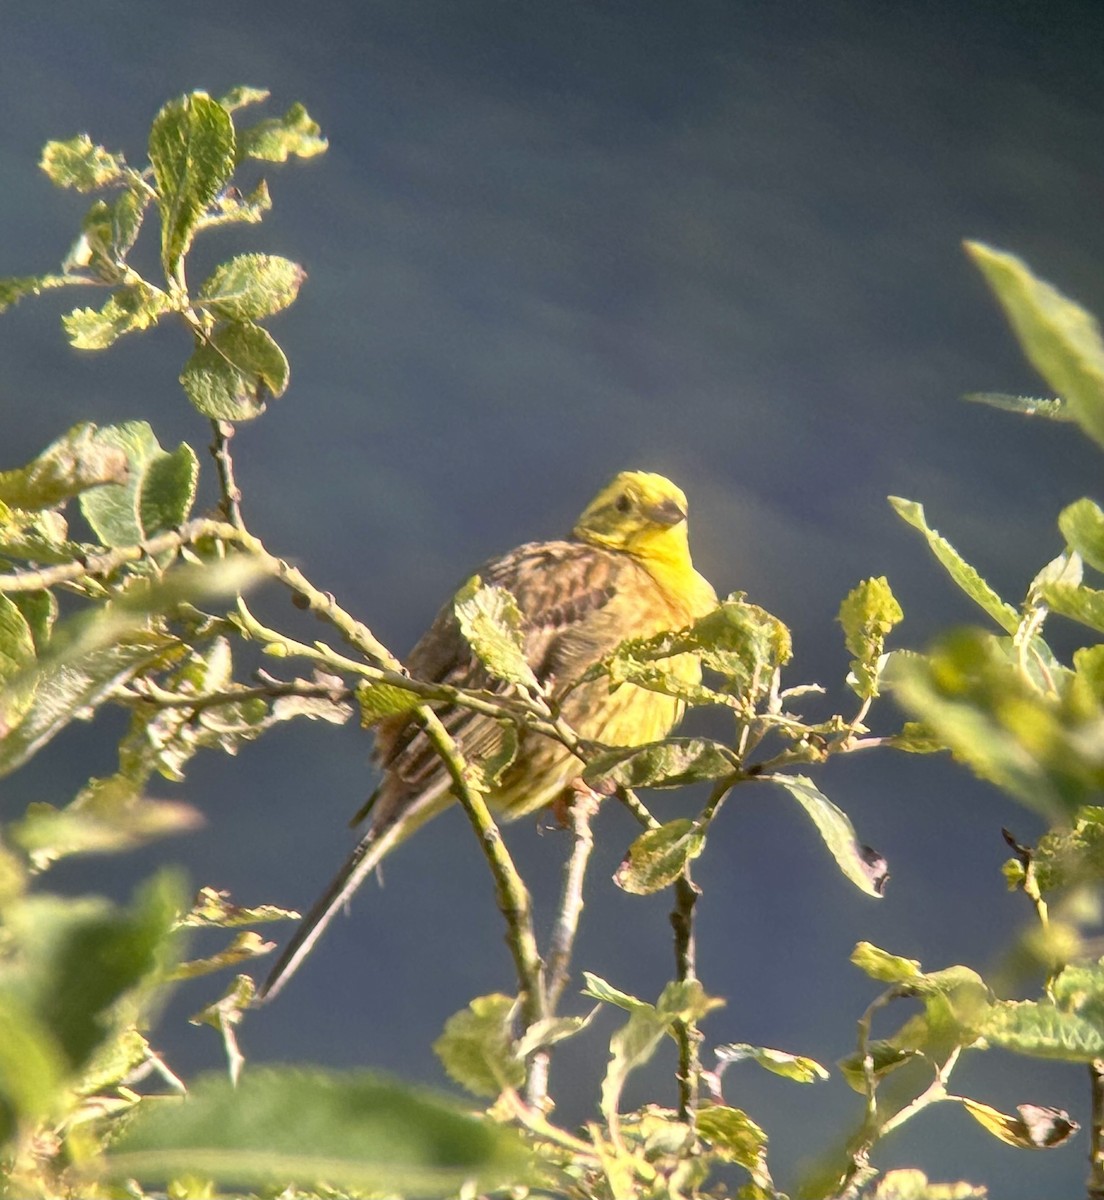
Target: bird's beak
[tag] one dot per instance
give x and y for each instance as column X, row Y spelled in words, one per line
column 665, row 513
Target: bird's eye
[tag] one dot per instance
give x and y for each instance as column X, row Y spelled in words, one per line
column 623, row 502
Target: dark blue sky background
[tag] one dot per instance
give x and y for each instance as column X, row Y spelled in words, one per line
column 550, row 241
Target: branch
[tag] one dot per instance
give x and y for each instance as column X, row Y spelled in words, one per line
column 224, row 465
column 687, row 1034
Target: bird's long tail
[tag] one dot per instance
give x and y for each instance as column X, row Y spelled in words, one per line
column 358, row 866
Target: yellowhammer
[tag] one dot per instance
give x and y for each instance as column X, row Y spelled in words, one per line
column 624, row 573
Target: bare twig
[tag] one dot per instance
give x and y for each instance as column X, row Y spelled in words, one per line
column 224, row 465
column 686, row 1033
column 562, row 940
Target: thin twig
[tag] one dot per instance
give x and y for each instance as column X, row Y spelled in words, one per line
column 583, row 807
column 686, row 1033
column 1096, row 1132
column 224, row 466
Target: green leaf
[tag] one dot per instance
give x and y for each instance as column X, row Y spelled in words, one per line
column 1061, row 340
column 242, row 96
column 1082, row 525
column 631, row 1047
column 1082, row 604
column 158, row 492
column 274, row 139
column 477, row 1047
column 75, row 960
column 673, row 762
column 126, row 310
column 108, row 232
column 790, row 1066
column 657, row 857
column 17, row 647
column 550, row 1030
column 971, row 692
column 492, row 624
column 283, row 1126
column 245, row 945
column 733, row 1135
column 1036, row 1128
column 867, row 615
column 232, row 208
column 108, row 815
column 15, row 287
column 880, row 964
column 1055, row 408
column 191, row 147
column 378, row 701
column 251, row 286
column 32, row 1066
column 40, row 610
column 1041, row 1030
column 78, row 460
column 230, row 376
column 212, row 909
column 863, row 866
column 885, row 1057
column 37, row 704
column 959, row 570
column 80, row 164
column 598, row 989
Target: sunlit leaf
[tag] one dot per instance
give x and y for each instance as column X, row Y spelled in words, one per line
column 867, row 615
column 491, row 622
column 127, row 310
column 880, row 964
column 192, row 149
column 477, row 1047
column 76, row 461
column 232, row 375
column 657, row 857
column 276, row 138
column 251, row 286
column 78, row 163
column 1061, row 340
column 673, row 762
column 1041, row 1030
column 863, row 866
column 964, row 575
column 1036, row 1128
column 797, row 1067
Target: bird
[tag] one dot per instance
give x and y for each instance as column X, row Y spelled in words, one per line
column 624, row 572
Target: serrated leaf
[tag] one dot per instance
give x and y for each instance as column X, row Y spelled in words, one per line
column 673, row 762
column 1040, row 1030
column 868, row 613
column 880, row 964
column 1082, row 525
column 550, row 1030
column 231, row 207
column 492, row 624
column 1082, row 604
column 15, row 287
column 960, row 571
column 797, row 1067
column 167, row 489
column 213, row 909
column 378, row 701
column 1061, row 340
column 126, row 310
column 283, row 1126
column 276, row 138
column 863, row 866
column 159, row 487
column 108, row 232
column 251, row 286
column 477, row 1047
column 231, row 376
column 1036, row 1128
column 76, row 461
column 733, row 1135
column 657, row 857
column 1055, row 408
column 79, row 163
column 192, row 149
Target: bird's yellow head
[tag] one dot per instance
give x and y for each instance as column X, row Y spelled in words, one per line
column 641, row 514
